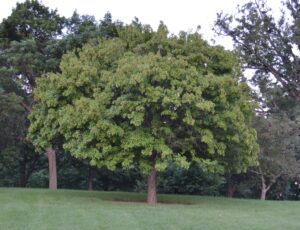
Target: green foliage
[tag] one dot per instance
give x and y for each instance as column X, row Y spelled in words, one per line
column 278, row 160
column 12, row 126
column 270, row 47
column 32, row 40
column 25, row 38
column 38, row 179
column 31, row 19
column 278, row 143
column 134, row 101
column 194, row 180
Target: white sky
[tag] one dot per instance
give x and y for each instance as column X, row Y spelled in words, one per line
column 176, row 14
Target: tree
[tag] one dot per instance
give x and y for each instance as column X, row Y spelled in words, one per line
column 18, row 158
column 269, row 47
column 25, row 36
column 11, row 125
column 32, row 42
column 108, row 28
column 146, row 101
column 277, row 155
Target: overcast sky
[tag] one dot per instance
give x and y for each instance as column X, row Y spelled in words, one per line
column 176, row 14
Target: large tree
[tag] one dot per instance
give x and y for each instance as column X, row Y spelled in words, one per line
column 24, row 45
column 145, row 100
column 32, row 41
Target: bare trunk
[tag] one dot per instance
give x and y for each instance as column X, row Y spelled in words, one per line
column 151, row 195
column 52, row 168
column 90, row 178
column 263, row 194
column 264, row 189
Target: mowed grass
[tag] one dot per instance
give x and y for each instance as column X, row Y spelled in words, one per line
column 69, row 209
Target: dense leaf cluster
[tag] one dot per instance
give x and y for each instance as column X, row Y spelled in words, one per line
column 148, row 98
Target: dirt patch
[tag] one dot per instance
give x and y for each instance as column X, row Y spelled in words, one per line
column 174, row 202
column 118, row 200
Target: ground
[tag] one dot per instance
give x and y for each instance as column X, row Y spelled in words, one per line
column 69, row 209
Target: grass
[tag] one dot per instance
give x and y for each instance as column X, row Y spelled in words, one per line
column 69, row 209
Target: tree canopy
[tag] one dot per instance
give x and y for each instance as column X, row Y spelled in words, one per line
column 277, row 138
column 270, row 46
column 146, row 99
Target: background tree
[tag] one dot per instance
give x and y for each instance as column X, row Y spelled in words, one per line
column 266, row 45
column 32, row 43
column 270, row 47
column 177, row 180
column 142, row 102
column 24, row 38
column 277, row 156
column 12, row 129
column 18, row 158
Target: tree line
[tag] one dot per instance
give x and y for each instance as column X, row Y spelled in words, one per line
column 138, row 109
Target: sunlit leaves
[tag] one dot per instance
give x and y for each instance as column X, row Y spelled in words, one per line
column 124, row 102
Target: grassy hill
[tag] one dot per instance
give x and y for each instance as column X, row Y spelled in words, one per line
column 68, row 209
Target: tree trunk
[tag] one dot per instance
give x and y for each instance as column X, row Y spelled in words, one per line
column 23, row 173
column 263, row 194
column 264, row 188
column 151, row 193
column 90, row 178
column 232, row 187
column 231, row 190
column 52, row 168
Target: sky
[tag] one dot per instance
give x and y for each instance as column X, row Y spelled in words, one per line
column 176, row 14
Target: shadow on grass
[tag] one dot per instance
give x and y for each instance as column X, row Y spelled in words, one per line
column 122, row 200
column 132, row 197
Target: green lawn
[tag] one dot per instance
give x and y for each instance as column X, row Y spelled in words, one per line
column 68, row 209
